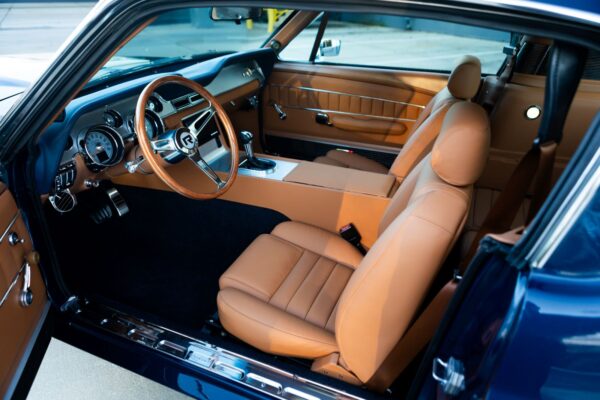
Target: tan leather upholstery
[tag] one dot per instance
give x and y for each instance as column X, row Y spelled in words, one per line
column 463, row 84
column 304, row 292
column 348, row 180
column 351, row 160
column 280, row 294
column 465, row 79
column 462, row 128
column 482, row 202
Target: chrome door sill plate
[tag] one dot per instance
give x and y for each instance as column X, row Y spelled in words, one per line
column 259, row 376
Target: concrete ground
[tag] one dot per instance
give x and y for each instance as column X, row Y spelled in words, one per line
column 69, row 373
column 30, row 34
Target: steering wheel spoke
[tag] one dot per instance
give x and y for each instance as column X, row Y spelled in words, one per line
column 161, row 145
column 183, row 140
column 205, row 116
column 207, row 169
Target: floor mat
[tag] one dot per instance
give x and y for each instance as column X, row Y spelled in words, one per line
column 164, row 257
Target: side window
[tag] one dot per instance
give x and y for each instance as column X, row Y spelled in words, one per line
column 398, row 42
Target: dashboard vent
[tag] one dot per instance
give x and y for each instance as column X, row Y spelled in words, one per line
column 181, row 103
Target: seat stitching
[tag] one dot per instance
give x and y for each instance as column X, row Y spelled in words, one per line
column 337, row 301
column 303, row 280
column 287, row 276
column 320, row 290
column 246, row 285
column 273, row 327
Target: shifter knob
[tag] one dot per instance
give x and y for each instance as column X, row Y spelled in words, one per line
column 246, row 137
column 246, row 140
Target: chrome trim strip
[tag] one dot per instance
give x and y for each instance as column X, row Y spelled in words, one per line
column 12, row 284
column 544, row 8
column 320, row 110
column 238, row 368
column 404, row 103
column 10, row 225
column 586, row 187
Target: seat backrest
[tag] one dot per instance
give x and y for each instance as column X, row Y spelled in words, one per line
column 463, row 84
column 418, row 230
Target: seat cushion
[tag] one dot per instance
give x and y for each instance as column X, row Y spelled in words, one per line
column 351, row 160
column 281, row 294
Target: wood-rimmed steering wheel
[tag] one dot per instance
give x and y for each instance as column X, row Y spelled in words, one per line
column 182, row 143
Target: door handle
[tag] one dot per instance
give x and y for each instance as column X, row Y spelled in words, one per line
column 323, row 119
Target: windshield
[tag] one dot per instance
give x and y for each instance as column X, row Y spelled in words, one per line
column 189, row 34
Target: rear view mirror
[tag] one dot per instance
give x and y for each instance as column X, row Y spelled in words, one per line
column 330, row 47
column 236, row 14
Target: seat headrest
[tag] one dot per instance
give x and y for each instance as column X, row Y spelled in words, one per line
column 465, row 78
column 460, row 152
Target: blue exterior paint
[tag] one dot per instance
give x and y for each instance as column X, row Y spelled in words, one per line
column 533, row 333
column 555, row 350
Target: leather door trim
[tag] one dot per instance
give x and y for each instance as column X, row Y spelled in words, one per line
column 364, row 106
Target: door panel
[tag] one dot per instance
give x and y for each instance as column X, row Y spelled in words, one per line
column 368, row 108
column 18, row 323
column 513, row 134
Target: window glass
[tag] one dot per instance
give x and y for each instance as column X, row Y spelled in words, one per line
column 299, row 48
column 191, row 33
column 402, row 42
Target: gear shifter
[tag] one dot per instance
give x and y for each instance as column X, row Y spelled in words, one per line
column 253, row 162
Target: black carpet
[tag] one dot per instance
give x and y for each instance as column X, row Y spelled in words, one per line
column 163, row 258
column 162, row 261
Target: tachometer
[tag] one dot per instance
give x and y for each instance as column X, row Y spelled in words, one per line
column 103, row 146
column 152, row 121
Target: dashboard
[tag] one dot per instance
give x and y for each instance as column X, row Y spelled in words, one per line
column 98, row 129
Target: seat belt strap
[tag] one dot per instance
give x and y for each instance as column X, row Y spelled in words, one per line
column 414, row 340
column 543, row 181
column 535, row 167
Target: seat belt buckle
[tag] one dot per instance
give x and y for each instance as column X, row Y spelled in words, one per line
column 351, row 235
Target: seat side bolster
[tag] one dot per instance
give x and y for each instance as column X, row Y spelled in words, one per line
column 383, row 294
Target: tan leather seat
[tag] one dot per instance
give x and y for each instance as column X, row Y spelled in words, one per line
column 463, row 84
column 304, row 292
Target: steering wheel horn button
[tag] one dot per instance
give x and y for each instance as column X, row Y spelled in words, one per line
column 185, row 141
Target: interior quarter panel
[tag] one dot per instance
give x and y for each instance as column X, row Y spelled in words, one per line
column 367, row 107
column 512, row 133
column 18, row 324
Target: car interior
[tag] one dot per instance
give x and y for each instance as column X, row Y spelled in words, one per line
column 325, row 214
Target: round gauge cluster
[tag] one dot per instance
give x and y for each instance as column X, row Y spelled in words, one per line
column 153, row 123
column 103, row 146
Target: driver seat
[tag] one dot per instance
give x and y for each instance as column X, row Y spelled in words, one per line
column 302, row 291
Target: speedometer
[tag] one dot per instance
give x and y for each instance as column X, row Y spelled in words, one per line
column 103, row 146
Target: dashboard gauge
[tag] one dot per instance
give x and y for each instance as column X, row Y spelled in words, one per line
column 154, row 104
column 154, row 124
column 103, row 146
column 113, row 119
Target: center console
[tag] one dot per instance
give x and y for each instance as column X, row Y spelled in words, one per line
column 323, row 195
